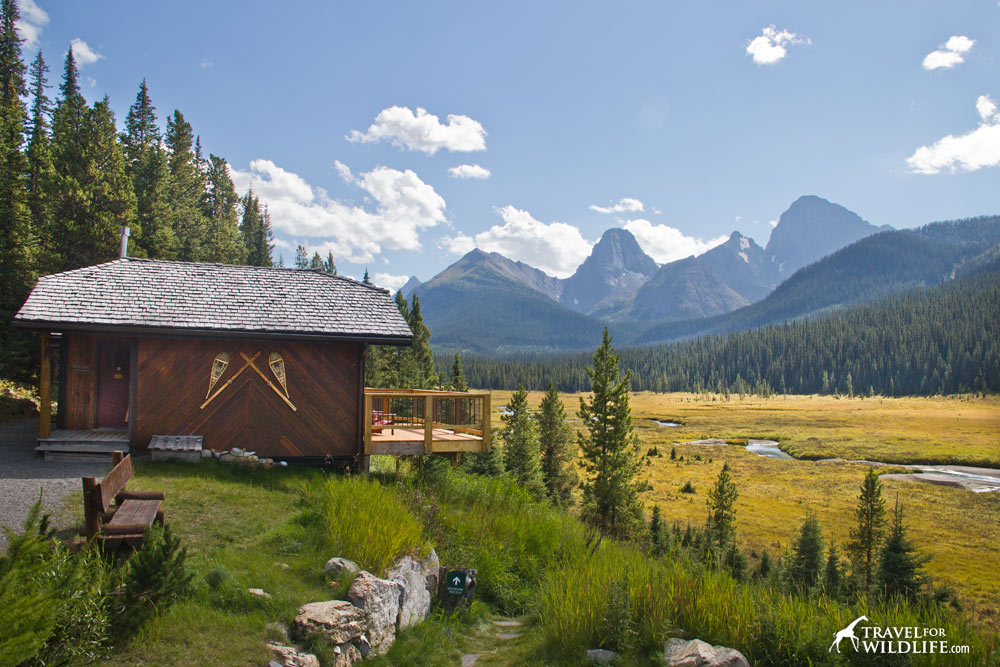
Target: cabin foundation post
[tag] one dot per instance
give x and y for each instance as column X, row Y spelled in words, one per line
column 90, row 514
column 45, row 390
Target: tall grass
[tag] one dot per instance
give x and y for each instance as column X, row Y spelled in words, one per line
column 367, row 523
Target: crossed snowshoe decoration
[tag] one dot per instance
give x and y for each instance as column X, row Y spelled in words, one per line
column 221, row 363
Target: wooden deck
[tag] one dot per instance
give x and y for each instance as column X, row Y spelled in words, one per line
column 63, row 443
column 412, row 422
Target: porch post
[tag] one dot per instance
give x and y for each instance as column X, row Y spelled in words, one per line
column 45, row 391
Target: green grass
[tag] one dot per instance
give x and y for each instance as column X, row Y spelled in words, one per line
column 572, row 590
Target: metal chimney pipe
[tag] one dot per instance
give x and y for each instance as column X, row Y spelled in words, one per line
column 124, row 249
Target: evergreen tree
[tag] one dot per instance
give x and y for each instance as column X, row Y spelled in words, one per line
column 657, row 536
column 302, row 258
column 153, row 207
column 16, row 261
column 721, row 525
column 255, row 231
column 832, row 574
column 218, row 209
column 869, row 520
column 458, row 375
column 316, row 263
column 807, row 555
column 142, row 134
column 520, row 445
column 424, row 375
column 187, row 183
column 40, row 176
column 555, row 439
column 900, row 564
column 328, row 265
column 610, row 448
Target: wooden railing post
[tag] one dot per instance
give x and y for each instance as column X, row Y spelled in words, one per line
column 368, row 425
column 486, row 419
column 45, row 391
column 90, row 515
column 428, row 424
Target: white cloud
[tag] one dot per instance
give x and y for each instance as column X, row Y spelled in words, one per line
column 769, row 47
column 968, row 152
column 556, row 248
column 624, row 205
column 469, row 171
column 950, row 54
column 206, row 63
column 458, row 244
column 33, row 19
column 667, row 244
column 404, row 205
column 422, row 131
column 389, row 281
column 773, row 223
column 83, row 54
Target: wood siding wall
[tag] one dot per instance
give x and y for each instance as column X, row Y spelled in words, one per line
column 323, row 383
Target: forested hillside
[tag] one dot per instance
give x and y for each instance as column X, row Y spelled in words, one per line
column 944, row 339
column 69, row 180
column 887, row 263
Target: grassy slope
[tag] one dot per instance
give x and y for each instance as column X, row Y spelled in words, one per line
column 959, row 529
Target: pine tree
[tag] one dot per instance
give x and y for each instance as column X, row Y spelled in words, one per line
column 424, row 374
column 316, row 263
column 142, row 134
column 520, row 445
column 458, row 375
column 218, row 209
column 255, row 231
column 867, row 533
column 153, row 207
column 721, row 525
column 328, row 265
column 657, row 536
column 832, row 574
column 555, row 439
column 187, row 182
column 900, row 564
column 610, row 448
column 16, row 259
column 807, row 555
column 40, row 176
column 302, row 259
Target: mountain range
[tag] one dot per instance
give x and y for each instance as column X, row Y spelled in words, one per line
column 820, row 256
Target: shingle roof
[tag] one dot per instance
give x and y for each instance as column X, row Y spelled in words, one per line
column 219, row 299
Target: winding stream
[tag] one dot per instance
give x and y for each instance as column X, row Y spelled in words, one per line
column 977, row 480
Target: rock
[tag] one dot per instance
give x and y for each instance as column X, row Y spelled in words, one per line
column 283, row 566
column 236, row 451
column 415, row 602
column 259, row 592
column 379, row 600
column 337, row 620
column 469, row 659
column 206, row 453
column 601, row 656
column 278, row 628
column 289, row 656
column 217, row 455
column 363, row 646
column 346, row 655
column 696, row 653
column 283, row 464
column 336, row 566
column 431, row 565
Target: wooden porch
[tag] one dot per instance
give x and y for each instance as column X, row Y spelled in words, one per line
column 65, row 443
column 407, row 422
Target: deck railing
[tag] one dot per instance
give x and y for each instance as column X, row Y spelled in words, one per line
column 420, row 421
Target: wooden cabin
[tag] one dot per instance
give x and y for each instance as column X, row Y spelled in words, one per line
column 265, row 359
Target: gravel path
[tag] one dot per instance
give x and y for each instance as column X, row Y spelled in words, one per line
column 23, row 474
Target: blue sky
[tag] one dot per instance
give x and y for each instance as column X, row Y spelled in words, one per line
column 712, row 117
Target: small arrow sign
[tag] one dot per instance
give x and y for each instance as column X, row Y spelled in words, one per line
column 456, row 582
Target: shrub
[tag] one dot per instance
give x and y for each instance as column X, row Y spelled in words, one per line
column 31, row 590
column 688, row 487
column 367, row 523
column 156, row 576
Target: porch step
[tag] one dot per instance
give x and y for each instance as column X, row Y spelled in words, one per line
column 65, row 444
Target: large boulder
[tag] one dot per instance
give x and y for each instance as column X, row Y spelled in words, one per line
column 289, row 656
column 431, row 565
column 337, row 620
column 415, row 601
column 696, row 653
column 345, row 655
column 378, row 600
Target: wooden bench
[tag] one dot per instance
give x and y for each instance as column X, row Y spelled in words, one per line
column 114, row 515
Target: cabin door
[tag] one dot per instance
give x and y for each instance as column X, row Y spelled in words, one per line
column 112, row 384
